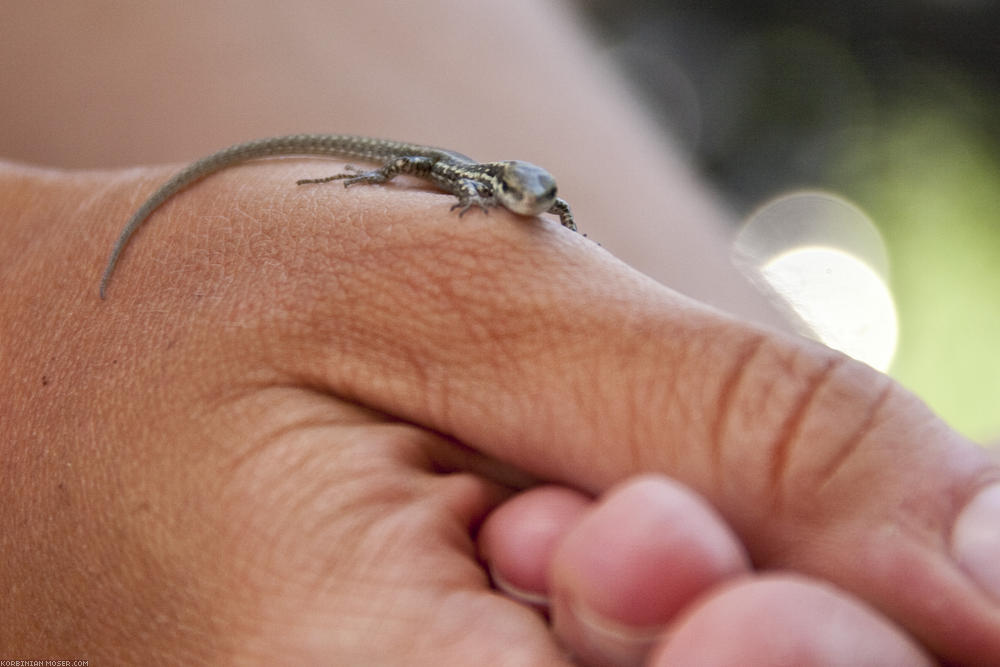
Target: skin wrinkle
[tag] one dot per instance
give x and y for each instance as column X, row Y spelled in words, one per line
column 436, row 277
column 845, row 451
column 438, row 391
column 396, row 523
column 366, row 331
column 411, row 352
column 790, row 430
column 391, row 531
column 297, row 462
column 463, row 290
column 351, row 240
column 354, row 507
column 259, row 444
column 731, row 381
column 649, row 386
column 634, row 414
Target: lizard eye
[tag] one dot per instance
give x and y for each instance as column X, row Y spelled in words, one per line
column 509, row 190
column 525, row 188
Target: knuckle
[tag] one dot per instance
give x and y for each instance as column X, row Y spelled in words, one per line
column 793, row 419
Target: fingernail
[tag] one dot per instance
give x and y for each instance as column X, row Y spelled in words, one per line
column 612, row 642
column 975, row 541
column 531, row 598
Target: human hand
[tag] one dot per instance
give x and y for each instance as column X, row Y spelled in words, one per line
column 249, row 451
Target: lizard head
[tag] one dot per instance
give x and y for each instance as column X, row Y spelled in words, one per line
column 525, row 188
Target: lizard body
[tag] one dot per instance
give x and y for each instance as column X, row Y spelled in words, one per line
column 518, row 186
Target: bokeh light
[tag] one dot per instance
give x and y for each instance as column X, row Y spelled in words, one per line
column 826, row 262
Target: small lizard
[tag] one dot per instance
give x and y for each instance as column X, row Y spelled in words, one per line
column 518, row 186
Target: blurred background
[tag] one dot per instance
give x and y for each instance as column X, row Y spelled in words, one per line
column 860, row 143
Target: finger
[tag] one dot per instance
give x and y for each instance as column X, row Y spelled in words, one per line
column 617, row 569
column 634, row 561
column 518, row 539
column 646, row 568
column 785, row 620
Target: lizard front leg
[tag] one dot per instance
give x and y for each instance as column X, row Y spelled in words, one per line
column 470, row 193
